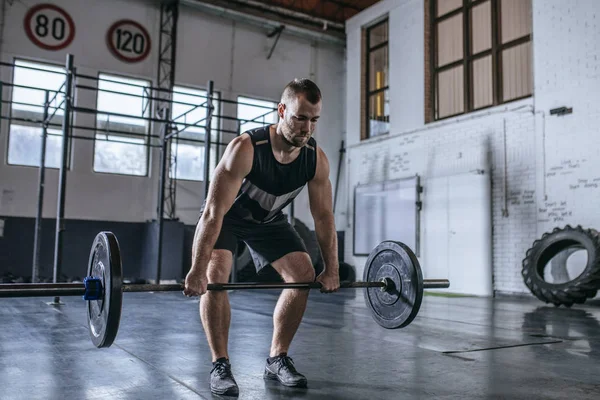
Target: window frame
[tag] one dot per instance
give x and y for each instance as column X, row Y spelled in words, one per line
column 467, row 59
column 178, row 140
column 368, row 93
column 29, row 123
column 257, row 98
column 148, row 134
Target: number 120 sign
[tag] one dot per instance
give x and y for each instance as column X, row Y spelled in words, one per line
column 128, row 41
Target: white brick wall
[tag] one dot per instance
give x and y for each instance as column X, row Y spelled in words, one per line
column 453, row 148
column 549, row 163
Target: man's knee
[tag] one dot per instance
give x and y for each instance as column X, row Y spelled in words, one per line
column 219, row 266
column 295, row 267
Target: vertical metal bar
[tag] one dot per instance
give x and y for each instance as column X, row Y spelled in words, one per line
column 169, row 12
column 173, row 8
column 58, row 242
column 1, row 90
column 367, row 78
column 497, row 52
column 434, row 62
column 207, row 138
column 466, row 57
column 161, row 196
column 337, row 179
column 233, row 276
column 40, row 204
column 432, row 59
column 418, row 208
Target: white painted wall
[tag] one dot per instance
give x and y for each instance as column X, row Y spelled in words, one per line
column 231, row 54
column 551, row 168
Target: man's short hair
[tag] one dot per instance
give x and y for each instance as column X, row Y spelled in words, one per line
column 303, row 86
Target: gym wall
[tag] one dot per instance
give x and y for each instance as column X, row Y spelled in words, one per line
column 232, row 54
column 540, row 170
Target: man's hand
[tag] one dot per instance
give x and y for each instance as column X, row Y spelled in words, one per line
column 195, row 283
column 329, row 282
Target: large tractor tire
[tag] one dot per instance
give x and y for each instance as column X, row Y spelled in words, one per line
column 575, row 290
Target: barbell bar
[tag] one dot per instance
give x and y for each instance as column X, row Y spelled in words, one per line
column 80, row 289
column 392, row 278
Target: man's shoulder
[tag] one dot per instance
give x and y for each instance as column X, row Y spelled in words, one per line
column 239, row 155
column 256, row 135
column 242, row 142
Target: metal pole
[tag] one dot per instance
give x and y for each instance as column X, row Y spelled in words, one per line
column 1, row 92
column 63, row 172
column 337, row 180
column 40, row 204
column 207, row 138
column 161, row 197
column 78, row 289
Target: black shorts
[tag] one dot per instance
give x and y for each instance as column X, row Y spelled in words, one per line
column 267, row 242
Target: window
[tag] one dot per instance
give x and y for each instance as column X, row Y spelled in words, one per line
column 254, row 113
column 189, row 114
column 121, row 130
column 31, row 80
column 481, row 54
column 377, row 81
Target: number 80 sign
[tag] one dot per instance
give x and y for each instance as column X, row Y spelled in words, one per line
column 128, row 41
column 49, row 27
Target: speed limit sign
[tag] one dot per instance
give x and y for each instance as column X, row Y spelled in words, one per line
column 49, row 27
column 128, row 41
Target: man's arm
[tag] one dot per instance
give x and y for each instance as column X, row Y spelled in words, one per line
column 229, row 174
column 321, row 207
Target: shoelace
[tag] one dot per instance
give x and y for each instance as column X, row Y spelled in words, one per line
column 286, row 361
column 223, row 370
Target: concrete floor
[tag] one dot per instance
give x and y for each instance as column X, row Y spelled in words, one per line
column 456, row 348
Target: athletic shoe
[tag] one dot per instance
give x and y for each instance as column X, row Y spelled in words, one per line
column 281, row 368
column 221, row 379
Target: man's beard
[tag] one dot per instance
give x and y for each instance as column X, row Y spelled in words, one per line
column 287, row 130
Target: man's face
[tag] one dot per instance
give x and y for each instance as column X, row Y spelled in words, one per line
column 298, row 120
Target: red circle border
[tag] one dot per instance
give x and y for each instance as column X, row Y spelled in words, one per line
column 31, row 36
column 116, row 53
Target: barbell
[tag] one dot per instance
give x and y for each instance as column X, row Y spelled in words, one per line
column 392, row 278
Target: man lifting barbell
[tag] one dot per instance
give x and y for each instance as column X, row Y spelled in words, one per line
column 392, row 277
column 261, row 172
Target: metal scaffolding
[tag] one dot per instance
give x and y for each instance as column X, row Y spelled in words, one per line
column 169, row 15
column 114, row 134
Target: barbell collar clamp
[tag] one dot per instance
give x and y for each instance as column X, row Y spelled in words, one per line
column 93, row 288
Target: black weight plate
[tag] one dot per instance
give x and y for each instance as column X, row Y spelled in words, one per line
column 397, row 306
column 104, row 314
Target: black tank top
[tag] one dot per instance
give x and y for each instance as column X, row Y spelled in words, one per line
column 271, row 186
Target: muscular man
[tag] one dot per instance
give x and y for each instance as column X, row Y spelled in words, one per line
column 261, row 172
